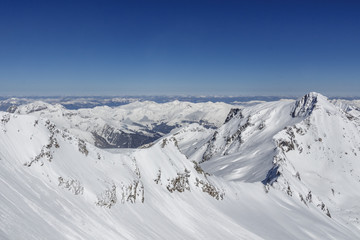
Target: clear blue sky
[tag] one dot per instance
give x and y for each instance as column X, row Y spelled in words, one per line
column 179, row 47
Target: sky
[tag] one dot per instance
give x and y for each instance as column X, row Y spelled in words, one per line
column 170, row 47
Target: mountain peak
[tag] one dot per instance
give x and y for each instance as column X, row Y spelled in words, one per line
column 37, row 106
column 304, row 106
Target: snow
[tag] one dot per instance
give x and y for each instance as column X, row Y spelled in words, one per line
column 134, row 118
column 55, row 186
column 249, row 155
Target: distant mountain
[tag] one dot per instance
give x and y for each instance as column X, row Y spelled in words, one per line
column 131, row 125
column 78, row 102
column 74, row 103
column 8, row 104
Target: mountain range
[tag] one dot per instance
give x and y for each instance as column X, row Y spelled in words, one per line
column 285, row 169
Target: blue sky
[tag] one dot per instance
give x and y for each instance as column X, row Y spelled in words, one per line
column 179, row 47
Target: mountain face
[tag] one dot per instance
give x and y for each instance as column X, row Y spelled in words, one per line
column 276, row 170
column 128, row 126
column 318, row 159
column 238, row 149
column 55, row 185
column 308, row 149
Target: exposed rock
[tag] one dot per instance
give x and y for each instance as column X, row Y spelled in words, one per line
column 82, row 147
column 108, row 198
column 179, row 183
column 304, row 106
column 72, row 185
column 233, row 112
column 210, row 189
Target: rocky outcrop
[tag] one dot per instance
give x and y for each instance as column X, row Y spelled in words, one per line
column 233, row 112
column 305, row 105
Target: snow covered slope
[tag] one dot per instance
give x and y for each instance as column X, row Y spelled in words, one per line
column 130, row 125
column 318, row 159
column 242, row 149
column 350, row 106
column 254, row 181
column 308, row 149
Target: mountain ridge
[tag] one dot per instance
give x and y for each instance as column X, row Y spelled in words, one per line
column 55, row 185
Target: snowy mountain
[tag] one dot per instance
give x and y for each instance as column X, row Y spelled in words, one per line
column 78, row 102
column 131, row 125
column 276, row 170
column 10, row 104
column 308, row 149
column 352, row 107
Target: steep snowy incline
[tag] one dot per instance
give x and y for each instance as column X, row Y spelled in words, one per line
column 242, row 149
column 56, row 186
column 131, row 125
column 308, row 149
column 350, row 107
column 318, row 160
